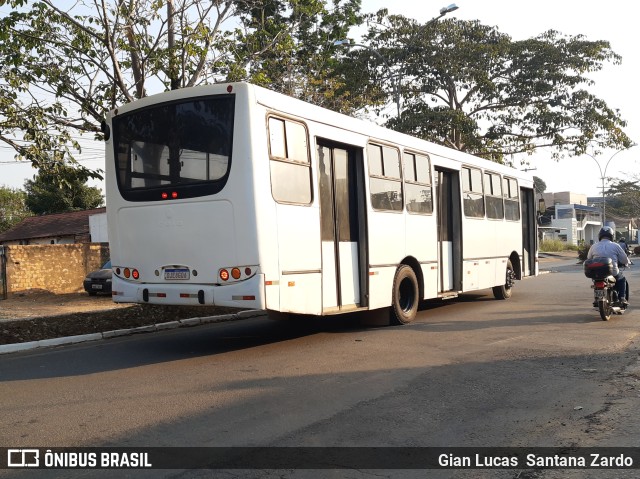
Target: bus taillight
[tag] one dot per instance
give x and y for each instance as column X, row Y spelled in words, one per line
column 128, row 273
column 224, row 275
column 235, row 273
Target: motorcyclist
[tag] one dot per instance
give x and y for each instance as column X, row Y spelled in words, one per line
column 624, row 246
column 607, row 248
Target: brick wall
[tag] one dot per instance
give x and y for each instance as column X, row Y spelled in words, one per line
column 56, row 268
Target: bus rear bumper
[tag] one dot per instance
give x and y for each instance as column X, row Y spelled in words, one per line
column 244, row 294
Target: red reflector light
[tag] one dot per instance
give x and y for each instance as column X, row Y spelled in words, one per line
column 135, row 274
column 174, row 194
column 162, row 295
column 229, row 88
column 185, row 295
column 249, row 298
column 164, row 195
column 235, row 273
column 224, row 275
column 247, row 271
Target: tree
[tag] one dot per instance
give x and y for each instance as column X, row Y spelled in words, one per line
column 473, row 88
column 13, row 208
column 623, row 197
column 58, row 188
column 304, row 63
column 117, row 51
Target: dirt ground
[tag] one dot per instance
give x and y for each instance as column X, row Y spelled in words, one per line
column 36, row 315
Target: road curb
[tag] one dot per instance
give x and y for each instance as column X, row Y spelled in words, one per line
column 182, row 323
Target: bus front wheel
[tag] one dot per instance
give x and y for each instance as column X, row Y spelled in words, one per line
column 405, row 297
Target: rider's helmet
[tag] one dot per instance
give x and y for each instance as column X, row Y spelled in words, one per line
column 605, row 232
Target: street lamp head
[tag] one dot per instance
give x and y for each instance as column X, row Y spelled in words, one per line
column 449, row 9
column 345, row 41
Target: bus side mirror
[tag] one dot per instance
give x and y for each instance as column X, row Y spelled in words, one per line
column 105, row 130
column 541, row 206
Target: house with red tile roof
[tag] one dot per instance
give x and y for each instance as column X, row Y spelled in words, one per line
column 87, row 226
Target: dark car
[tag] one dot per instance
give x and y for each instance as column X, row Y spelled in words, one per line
column 99, row 281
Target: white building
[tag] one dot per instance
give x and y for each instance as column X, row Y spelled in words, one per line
column 572, row 219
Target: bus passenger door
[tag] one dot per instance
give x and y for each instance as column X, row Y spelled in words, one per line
column 529, row 233
column 449, row 230
column 342, row 227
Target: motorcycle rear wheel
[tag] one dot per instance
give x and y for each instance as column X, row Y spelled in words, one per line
column 604, row 307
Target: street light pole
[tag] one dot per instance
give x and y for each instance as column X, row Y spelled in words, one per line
column 443, row 12
column 603, row 176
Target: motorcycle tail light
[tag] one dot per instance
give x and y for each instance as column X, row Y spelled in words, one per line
column 600, row 284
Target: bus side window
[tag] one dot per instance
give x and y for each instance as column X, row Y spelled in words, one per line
column 385, row 181
column 289, row 160
column 417, row 177
column 493, row 195
column 472, row 195
column 511, row 199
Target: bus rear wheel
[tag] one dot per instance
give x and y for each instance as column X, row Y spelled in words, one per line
column 405, row 297
column 506, row 290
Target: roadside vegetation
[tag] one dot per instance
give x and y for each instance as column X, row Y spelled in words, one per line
column 556, row 245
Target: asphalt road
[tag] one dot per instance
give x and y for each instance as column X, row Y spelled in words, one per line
column 540, row 369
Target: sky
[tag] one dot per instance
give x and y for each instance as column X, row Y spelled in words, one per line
column 596, row 20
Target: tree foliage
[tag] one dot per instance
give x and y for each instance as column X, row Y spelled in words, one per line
column 623, row 197
column 13, row 208
column 462, row 84
column 66, row 65
column 58, row 188
column 471, row 87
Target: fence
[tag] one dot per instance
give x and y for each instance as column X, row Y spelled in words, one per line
column 57, row 268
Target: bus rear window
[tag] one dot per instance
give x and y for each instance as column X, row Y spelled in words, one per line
column 182, row 146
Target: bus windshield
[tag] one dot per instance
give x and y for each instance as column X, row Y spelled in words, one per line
column 184, row 147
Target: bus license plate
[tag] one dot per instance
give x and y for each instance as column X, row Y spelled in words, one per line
column 600, row 293
column 176, row 274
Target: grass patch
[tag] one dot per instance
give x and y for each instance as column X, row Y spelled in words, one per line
column 553, row 246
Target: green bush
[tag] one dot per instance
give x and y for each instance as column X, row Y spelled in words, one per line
column 583, row 251
column 552, row 245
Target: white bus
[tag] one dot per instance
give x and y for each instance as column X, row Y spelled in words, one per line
column 237, row 196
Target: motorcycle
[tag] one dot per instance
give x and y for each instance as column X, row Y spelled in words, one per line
column 626, row 248
column 605, row 297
